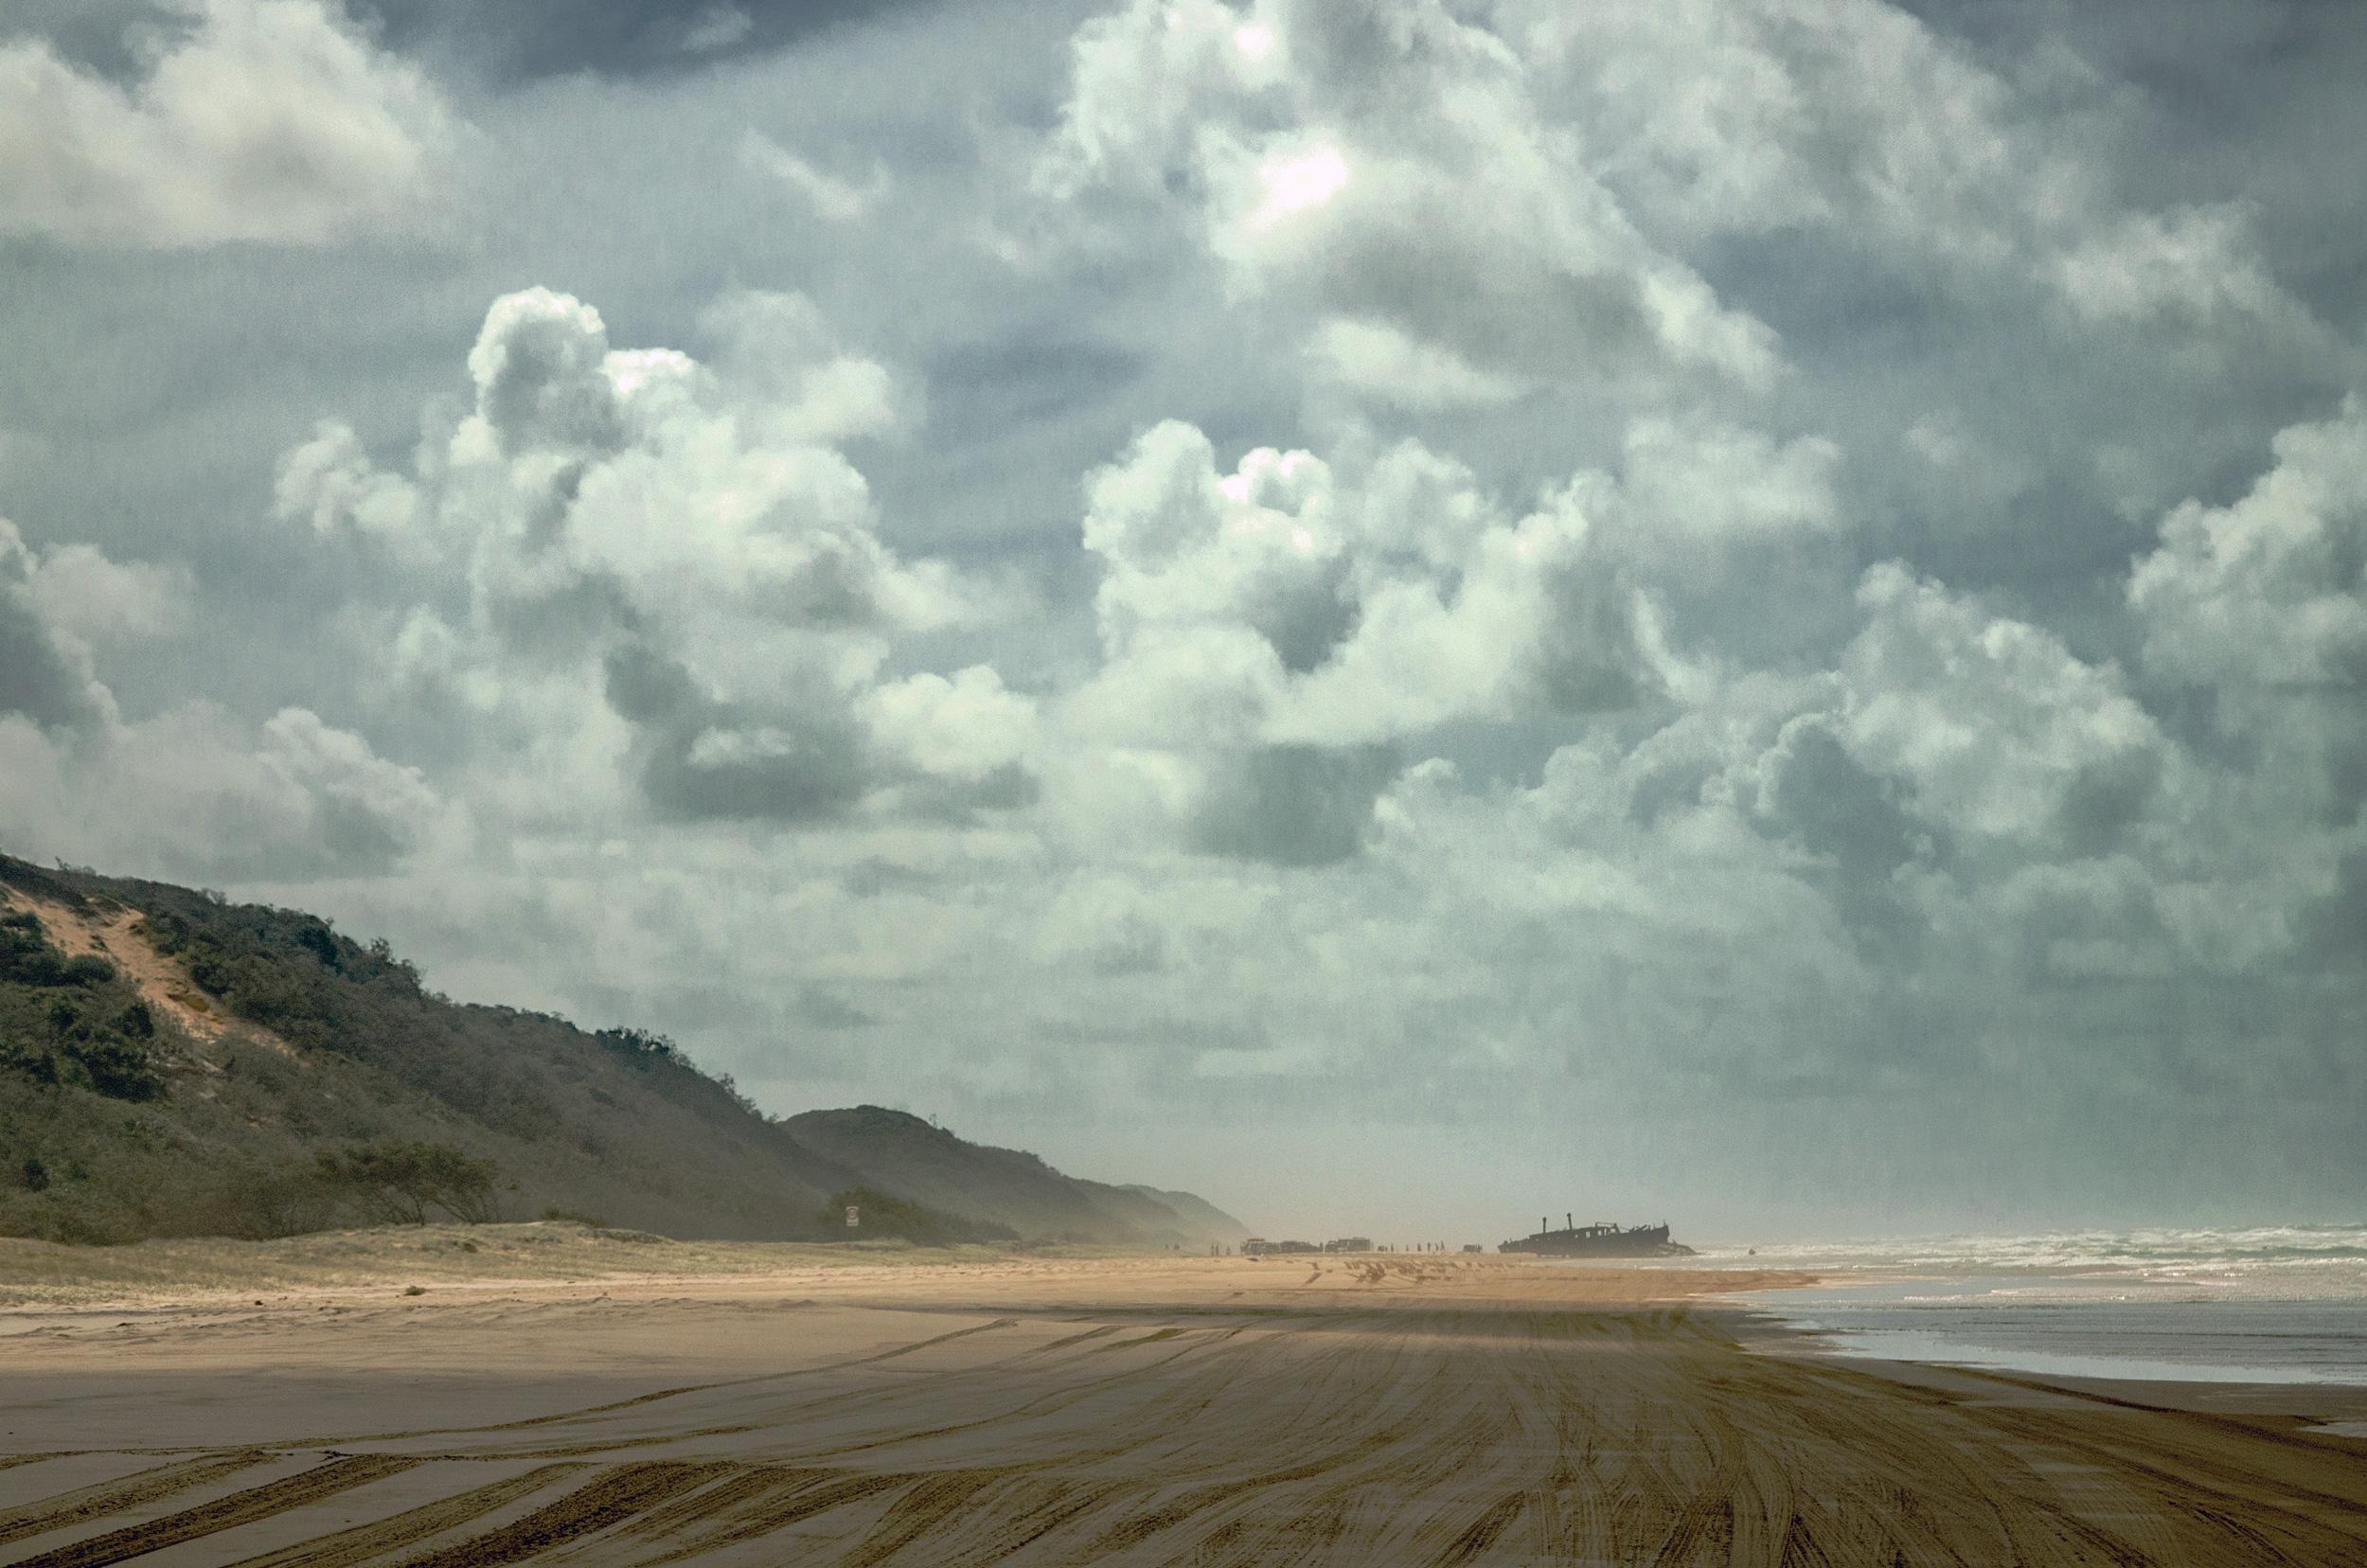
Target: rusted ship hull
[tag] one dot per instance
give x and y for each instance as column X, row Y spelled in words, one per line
column 1598, row 1242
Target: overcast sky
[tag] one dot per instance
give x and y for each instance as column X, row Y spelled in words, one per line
column 1406, row 613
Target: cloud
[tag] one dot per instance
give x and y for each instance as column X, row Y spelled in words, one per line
column 189, row 788
column 330, row 483
column 194, row 793
column 1383, row 362
column 2253, row 618
column 45, row 669
column 1703, row 482
column 1997, row 730
column 968, row 728
column 2334, row 928
column 1284, row 602
column 273, row 121
column 2268, row 592
column 87, row 597
column 719, row 26
column 1392, row 178
column 1842, row 810
column 836, row 200
column 352, row 809
column 612, row 38
column 691, row 562
column 1274, row 631
column 1722, row 114
column 2186, row 265
column 1280, row 632
column 1291, row 804
column 1718, row 116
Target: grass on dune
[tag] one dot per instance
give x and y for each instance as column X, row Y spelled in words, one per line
column 47, row 1274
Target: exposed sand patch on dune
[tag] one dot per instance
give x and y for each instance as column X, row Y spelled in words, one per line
column 121, row 936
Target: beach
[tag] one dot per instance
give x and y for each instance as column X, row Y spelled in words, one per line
column 543, row 1394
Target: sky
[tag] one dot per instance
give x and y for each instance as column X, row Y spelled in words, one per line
column 1746, row 611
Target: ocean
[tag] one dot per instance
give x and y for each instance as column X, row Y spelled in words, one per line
column 2273, row 1305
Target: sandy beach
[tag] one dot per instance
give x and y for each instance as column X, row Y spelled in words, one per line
column 531, row 1393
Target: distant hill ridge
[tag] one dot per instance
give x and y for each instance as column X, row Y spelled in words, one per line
column 173, row 1063
column 901, row 1153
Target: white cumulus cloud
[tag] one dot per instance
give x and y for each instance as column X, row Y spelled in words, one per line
column 272, row 120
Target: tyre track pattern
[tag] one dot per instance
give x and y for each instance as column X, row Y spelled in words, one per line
column 226, row 1513
column 84, row 1504
column 379, row 1537
column 1332, row 1434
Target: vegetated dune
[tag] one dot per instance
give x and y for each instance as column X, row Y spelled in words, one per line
column 903, row 1154
column 173, row 1063
column 1066, row 1410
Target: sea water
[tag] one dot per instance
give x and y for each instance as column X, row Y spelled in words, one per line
column 2285, row 1304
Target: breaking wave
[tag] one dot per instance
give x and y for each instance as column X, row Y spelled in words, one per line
column 2255, row 1304
column 2298, row 1263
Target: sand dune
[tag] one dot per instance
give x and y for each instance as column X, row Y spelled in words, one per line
column 1070, row 1410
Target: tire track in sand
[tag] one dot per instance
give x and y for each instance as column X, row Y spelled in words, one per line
column 1339, row 1431
column 381, row 1536
column 619, row 1494
column 89, row 1503
column 224, row 1513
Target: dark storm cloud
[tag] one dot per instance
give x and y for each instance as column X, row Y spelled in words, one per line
column 799, row 757
column 1292, row 805
column 37, row 678
column 703, row 761
column 647, row 688
column 818, row 1009
column 2337, row 928
column 1588, row 658
column 41, row 675
column 110, row 38
column 612, row 38
column 1854, row 822
column 565, row 622
column 1009, row 788
column 2104, row 798
column 1817, row 792
column 802, row 774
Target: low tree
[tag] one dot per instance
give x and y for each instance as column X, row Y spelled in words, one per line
column 397, row 1183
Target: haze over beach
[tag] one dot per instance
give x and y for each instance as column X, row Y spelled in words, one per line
column 928, row 663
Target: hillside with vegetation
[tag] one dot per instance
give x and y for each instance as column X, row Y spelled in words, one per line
column 175, row 1064
column 900, row 1152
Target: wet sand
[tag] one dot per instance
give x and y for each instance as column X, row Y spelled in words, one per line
column 1092, row 1410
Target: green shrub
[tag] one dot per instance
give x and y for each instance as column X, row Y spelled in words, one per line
column 88, row 968
column 116, row 1067
column 265, row 1200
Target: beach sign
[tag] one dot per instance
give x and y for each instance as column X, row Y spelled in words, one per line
column 854, row 1215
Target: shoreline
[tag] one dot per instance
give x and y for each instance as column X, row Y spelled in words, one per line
column 2337, row 1406
column 179, row 1279
column 2308, row 1403
column 163, row 1280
